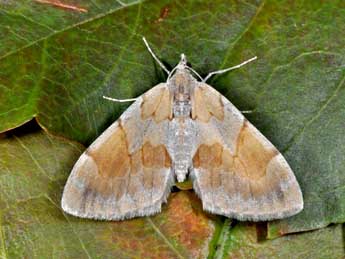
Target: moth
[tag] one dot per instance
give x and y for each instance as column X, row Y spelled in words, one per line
column 178, row 129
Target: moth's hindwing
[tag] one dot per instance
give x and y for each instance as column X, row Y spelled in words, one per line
column 237, row 172
column 126, row 172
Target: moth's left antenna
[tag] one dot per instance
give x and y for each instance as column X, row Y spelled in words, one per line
column 155, row 57
column 134, row 99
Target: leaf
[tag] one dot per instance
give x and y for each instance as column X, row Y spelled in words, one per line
column 33, row 170
column 295, row 88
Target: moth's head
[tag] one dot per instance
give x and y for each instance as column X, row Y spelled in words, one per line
column 181, row 74
column 183, row 62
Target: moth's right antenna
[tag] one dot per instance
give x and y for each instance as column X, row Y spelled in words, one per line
column 154, row 56
column 228, row 69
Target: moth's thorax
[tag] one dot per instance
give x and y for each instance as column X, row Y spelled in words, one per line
column 181, row 84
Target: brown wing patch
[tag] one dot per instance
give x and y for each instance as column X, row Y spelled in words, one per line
column 208, row 156
column 150, row 102
column 112, row 158
column 253, row 154
column 164, row 109
column 206, row 103
column 250, row 160
column 157, row 104
column 114, row 164
column 155, row 156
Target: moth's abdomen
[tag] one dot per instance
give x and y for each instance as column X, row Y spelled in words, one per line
column 181, row 139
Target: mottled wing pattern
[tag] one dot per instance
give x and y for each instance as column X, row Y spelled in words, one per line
column 126, row 171
column 237, row 172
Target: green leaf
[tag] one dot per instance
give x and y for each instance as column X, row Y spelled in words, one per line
column 295, row 88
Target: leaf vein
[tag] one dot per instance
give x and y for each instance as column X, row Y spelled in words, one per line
column 317, row 115
column 165, row 239
column 293, row 60
column 29, row 19
column 27, row 150
column 80, row 240
column 240, row 36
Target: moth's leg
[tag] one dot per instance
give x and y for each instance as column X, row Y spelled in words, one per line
column 155, row 57
column 120, row 100
column 228, row 69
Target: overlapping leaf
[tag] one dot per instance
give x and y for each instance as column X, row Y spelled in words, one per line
column 245, row 241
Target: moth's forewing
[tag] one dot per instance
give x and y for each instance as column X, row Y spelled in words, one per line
column 126, row 172
column 237, row 171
